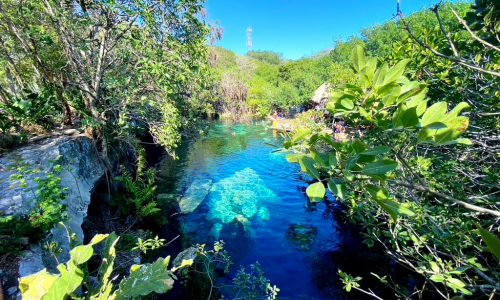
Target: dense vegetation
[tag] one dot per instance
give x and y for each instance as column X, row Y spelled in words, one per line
column 109, row 67
column 121, row 71
column 416, row 167
column 261, row 83
column 416, row 171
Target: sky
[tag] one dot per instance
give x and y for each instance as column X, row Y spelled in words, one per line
column 299, row 28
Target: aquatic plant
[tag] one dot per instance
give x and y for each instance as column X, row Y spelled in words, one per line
column 302, row 235
column 253, row 285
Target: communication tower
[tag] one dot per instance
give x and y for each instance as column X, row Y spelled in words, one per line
column 249, row 39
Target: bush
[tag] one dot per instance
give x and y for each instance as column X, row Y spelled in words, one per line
column 75, row 281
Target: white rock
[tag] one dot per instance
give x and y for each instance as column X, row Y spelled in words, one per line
column 194, row 195
column 82, row 169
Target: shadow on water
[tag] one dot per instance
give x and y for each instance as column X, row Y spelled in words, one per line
column 255, row 201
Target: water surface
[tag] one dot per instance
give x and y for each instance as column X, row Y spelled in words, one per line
column 255, row 201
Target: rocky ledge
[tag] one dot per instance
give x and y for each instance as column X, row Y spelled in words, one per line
column 80, row 172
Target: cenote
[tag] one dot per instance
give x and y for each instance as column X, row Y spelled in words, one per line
column 254, row 200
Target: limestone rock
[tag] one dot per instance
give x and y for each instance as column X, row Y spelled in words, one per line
column 194, row 195
column 81, row 170
column 321, row 94
column 189, row 253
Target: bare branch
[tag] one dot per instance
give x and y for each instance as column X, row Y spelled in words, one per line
column 470, row 206
column 485, row 43
column 435, row 10
column 457, row 60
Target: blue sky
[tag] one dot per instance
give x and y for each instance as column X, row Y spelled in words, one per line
column 298, row 28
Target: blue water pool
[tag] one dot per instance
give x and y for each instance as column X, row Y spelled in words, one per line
column 253, row 199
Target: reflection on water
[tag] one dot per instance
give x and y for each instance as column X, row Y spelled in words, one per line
column 256, row 203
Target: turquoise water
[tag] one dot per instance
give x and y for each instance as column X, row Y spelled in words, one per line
column 255, row 201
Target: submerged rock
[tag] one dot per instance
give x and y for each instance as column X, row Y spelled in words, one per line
column 264, row 213
column 188, row 254
column 302, row 235
column 240, row 197
column 215, row 231
column 194, row 195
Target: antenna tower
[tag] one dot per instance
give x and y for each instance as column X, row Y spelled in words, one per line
column 249, row 39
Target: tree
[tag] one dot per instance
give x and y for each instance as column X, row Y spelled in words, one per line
column 390, row 176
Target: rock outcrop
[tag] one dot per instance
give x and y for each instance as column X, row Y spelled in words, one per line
column 194, row 195
column 321, row 95
column 81, row 170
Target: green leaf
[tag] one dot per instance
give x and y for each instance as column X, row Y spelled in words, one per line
column 434, row 267
column 491, row 240
column 457, row 285
column 320, row 158
column 107, row 264
column 379, row 167
column 434, row 114
column 396, row 72
column 294, row 158
column 316, row 192
column 81, row 254
column 376, row 151
column 338, row 188
column 332, row 159
column 70, row 279
column 392, row 207
column 464, row 141
column 347, row 103
column 97, row 239
column 358, row 58
column 458, row 109
column 37, row 285
column 437, row 278
column 300, row 135
column 406, row 118
column 307, row 165
column 147, row 279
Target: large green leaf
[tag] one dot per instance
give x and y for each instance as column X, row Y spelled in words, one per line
column 320, row 158
column 434, row 114
column 332, row 159
column 300, row 135
column 69, row 281
column 107, row 265
column 391, row 206
column 406, row 118
column 396, row 72
column 491, row 240
column 379, row 167
column 37, row 285
column 358, row 58
column 146, row 279
column 294, row 158
column 316, row 192
column 81, row 254
column 378, row 80
column 307, row 165
column 376, row 150
column 347, row 103
column 338, row 188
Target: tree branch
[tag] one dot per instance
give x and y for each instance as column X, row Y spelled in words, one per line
column 428, row 190
column 455, row 59
column 485, row 43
